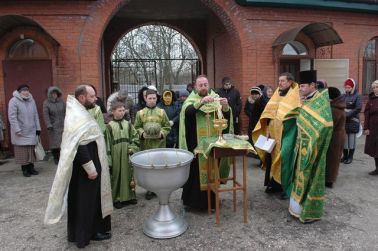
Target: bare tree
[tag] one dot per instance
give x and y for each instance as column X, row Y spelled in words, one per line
column 154, row 54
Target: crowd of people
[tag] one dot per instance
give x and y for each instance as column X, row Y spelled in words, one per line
column 91, row 143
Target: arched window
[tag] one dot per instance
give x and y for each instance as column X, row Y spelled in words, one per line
column 27, row 49
column 294, row 55
column 370, row 67
column 294, row 48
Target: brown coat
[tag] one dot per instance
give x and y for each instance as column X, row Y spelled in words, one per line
column 371, row 122
column 338, row 138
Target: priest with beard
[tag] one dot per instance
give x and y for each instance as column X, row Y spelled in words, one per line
column 82, row 180
column 196, row 123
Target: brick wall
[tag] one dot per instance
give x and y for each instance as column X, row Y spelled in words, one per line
column 235, row 41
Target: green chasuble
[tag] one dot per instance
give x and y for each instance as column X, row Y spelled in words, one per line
column 314, row 124
column 99, row 117
column 205, row 128
column 121, row 140
column 156, row 115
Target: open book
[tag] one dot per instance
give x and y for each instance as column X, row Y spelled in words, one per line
column 265, row 144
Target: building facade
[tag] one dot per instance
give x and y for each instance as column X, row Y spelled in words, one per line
column 65, row 43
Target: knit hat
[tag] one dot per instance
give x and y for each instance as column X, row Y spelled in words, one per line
column 262, row 87
column 23, row 86
column 183, row 93
column 151, row 87
column 321, row 84
column 350, row 82
column 333, row 92
column 255, row 90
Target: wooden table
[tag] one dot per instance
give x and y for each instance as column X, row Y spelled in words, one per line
column 214, row 182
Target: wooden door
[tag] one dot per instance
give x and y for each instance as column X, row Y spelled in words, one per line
column 290, row 65
column 35, row 73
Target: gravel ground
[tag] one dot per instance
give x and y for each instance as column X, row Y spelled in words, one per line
column 349, row 223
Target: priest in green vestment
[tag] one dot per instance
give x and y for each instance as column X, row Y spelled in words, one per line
column 121, row 141
column 314, row 123
column 196, row 122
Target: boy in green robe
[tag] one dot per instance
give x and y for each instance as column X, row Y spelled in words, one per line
column 121, row 141
column 153, row 126
column 98, row 116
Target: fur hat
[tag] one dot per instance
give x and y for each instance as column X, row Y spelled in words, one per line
column 23, row 86
column 307, row 77
column 123, row 93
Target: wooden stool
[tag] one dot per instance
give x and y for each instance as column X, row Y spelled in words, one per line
column 214, row 184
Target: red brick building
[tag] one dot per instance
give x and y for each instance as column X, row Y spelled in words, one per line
column 64, row 43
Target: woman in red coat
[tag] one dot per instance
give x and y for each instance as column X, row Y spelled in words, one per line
column 370, row 126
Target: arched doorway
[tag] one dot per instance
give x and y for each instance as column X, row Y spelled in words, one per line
column 28, row 55
column 28, row 61
column 205, row 24
column 296, row 49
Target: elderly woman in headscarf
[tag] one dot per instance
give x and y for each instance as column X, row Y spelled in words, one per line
column 54, row 111
column 25, row 127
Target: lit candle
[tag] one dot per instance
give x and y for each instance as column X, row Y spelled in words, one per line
column 220, row 114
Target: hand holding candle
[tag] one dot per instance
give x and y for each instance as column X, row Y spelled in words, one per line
column 224, row 103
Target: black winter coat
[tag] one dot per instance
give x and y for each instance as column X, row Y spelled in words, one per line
column 234, row 100
column 353, row 108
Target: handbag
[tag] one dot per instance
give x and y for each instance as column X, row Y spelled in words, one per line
column 39, row 151
column 352, row 125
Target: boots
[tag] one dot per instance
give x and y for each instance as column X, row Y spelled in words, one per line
column 345, row 156
column 350, row 157
column 56, row 154
column 25, row 171
column 31, row 169
column 375, row 172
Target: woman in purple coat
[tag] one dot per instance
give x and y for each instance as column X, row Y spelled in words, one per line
column 370, row 126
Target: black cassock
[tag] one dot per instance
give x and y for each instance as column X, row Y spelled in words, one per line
column 192, row 195
column 84, row 216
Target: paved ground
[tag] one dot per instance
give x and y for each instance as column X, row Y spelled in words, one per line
column 349, row 223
